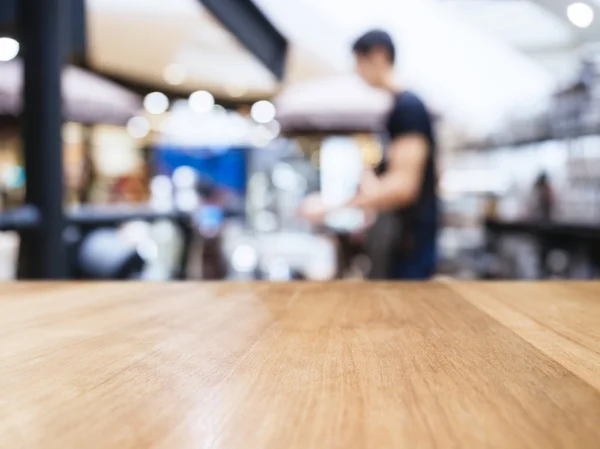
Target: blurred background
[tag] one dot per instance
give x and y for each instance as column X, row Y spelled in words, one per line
column 187, row 133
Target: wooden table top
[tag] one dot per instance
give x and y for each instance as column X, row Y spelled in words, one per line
column 338, row 365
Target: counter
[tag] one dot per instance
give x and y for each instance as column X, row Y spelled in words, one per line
column 334, row 365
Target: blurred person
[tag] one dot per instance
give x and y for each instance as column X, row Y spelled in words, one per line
column 402, row 189
column 543, row 198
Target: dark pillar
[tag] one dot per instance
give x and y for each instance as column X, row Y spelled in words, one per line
column 41, row 28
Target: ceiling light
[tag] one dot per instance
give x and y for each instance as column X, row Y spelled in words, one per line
column 138, row 127
column 261, row 136
column 184, row 177
column 161, row 186
column 174, row 74
column 580, row 14
column 275, row 128
column 9, row 49
column 187, row 200
column 244, row 258
column 219, row 110
column 156, row 103
column 284, row 177
column 263, row 111
column 201, row 102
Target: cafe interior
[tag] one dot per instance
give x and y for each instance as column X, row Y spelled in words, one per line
column 176, row 140
column 236, row 224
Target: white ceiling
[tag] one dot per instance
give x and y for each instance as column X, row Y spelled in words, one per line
column 470, row 76
column 538, row 29
column 521, row 23
column 477, row 62
column 138, row 39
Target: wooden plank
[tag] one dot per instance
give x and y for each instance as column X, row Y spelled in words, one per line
column 335, row 365
column 560, row 319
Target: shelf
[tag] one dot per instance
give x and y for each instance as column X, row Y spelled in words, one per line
column 557, row 230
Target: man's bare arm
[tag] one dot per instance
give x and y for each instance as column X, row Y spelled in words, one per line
column 400, row 185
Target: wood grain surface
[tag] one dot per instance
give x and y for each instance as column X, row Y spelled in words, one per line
column 337, row 365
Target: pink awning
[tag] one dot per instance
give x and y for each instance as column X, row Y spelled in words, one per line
column 342, row 103
column 87, row 98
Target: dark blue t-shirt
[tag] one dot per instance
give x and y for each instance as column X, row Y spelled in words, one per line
column 415, row 254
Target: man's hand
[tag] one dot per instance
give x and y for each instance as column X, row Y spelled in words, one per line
column 313, row 209
column 369, row 184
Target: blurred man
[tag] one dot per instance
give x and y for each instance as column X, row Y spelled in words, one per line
column 402, row 189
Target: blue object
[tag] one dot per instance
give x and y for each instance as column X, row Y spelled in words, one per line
column 209, row 216
column 225, row 167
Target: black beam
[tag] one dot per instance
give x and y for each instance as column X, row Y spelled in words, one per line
column 254, row 31
column 42, row 251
